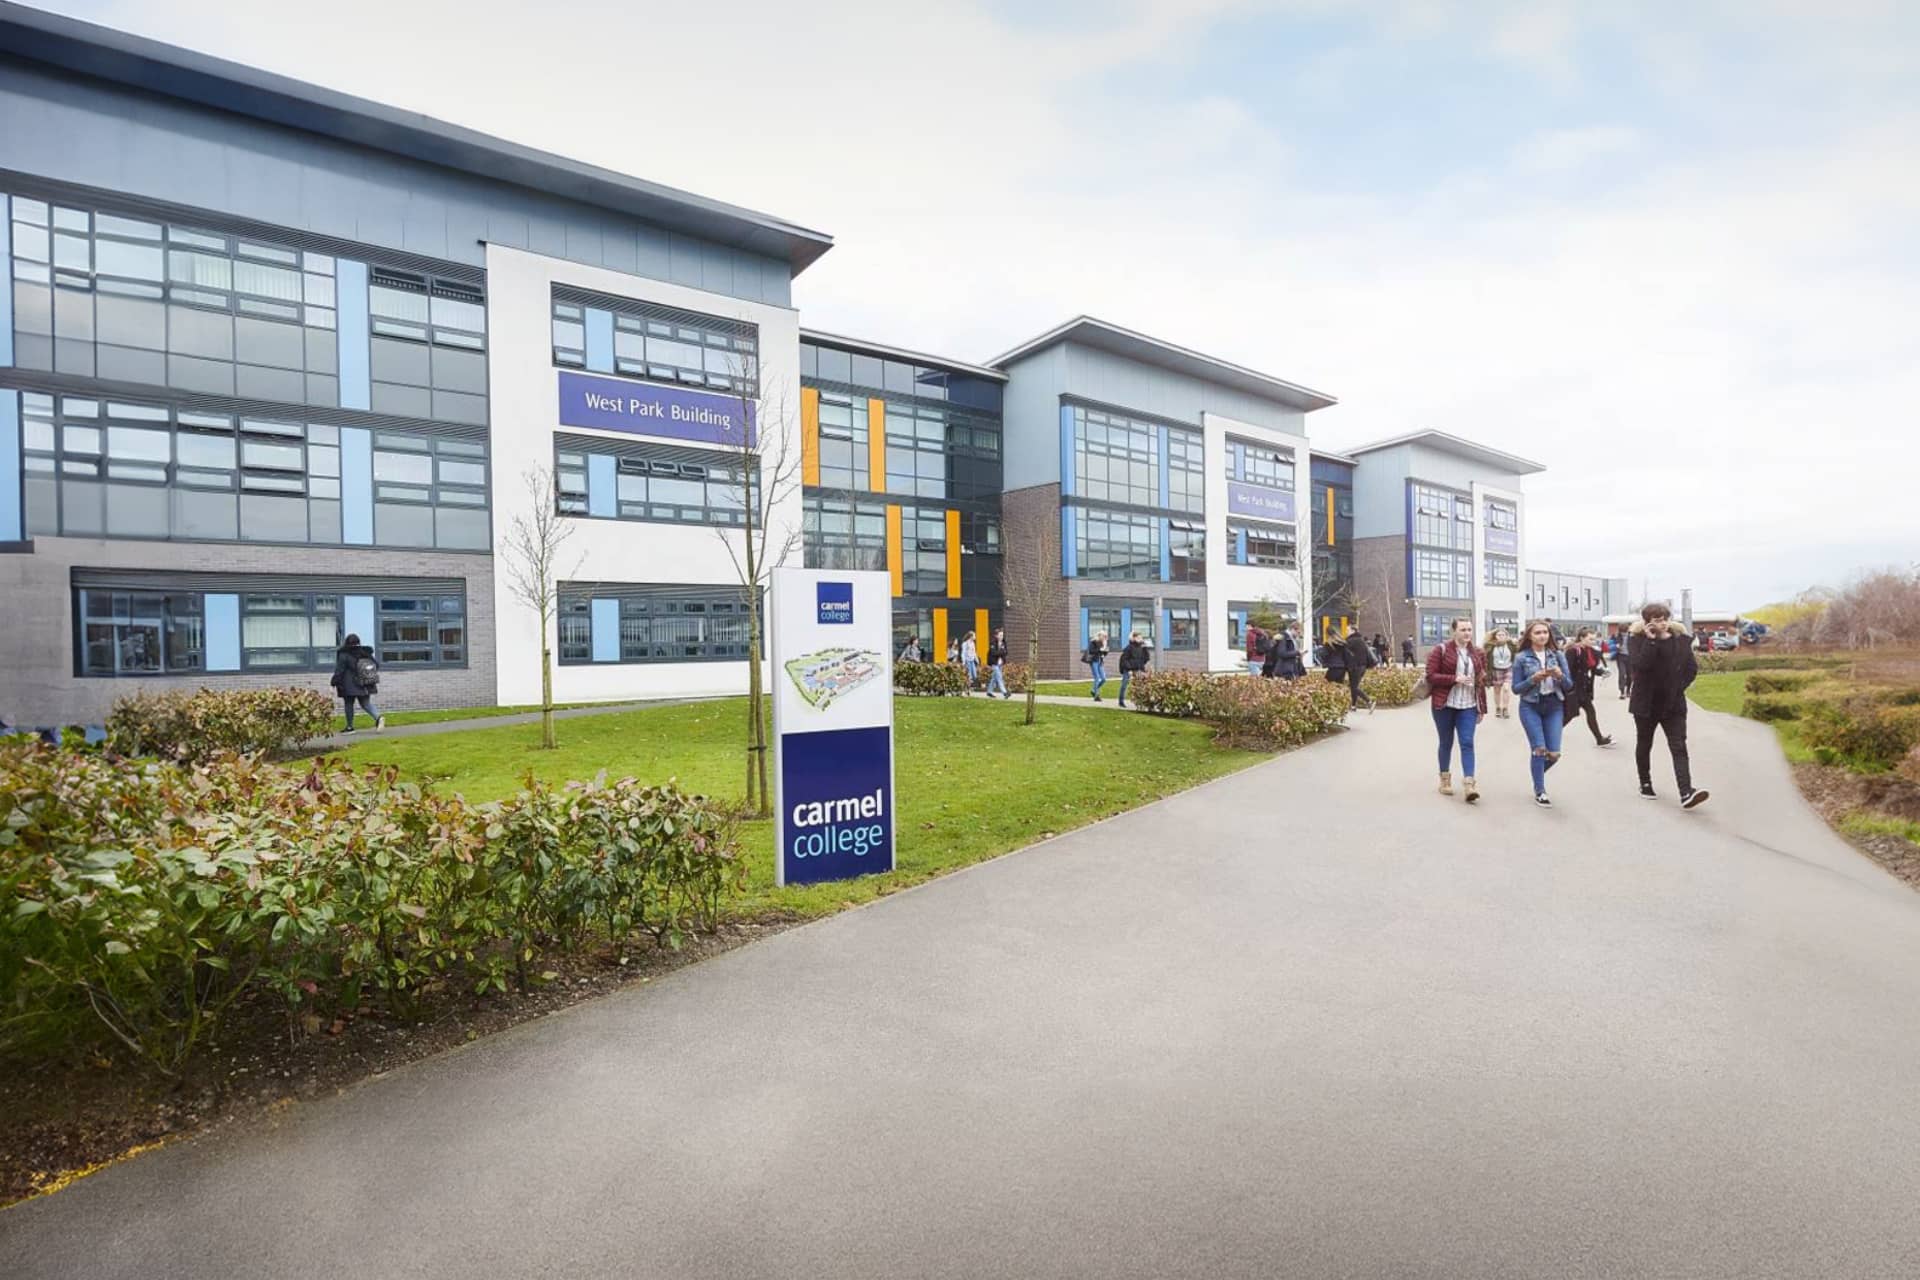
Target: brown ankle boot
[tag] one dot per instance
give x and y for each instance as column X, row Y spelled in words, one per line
column 1473, row 790
column 1446, row 784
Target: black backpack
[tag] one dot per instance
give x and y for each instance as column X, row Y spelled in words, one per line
column 366, row 669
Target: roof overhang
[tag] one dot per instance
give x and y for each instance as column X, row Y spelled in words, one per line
column 84, row 48
column 1331, row 456
column 900, row 353
column 1130, row 345
column 1445, row 442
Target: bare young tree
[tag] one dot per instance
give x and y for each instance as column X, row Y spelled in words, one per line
column 1035, row 591
column 765, row 468
column 532, row 556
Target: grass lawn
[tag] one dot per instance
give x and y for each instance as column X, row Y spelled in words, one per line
column 1069, row 688
column 447, row 713
column 972, row 781
column 1727, row 690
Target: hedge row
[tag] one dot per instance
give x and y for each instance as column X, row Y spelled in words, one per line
column 1389, row 686
column 1248, row 711
column 945, row 679
column 208, row 722
column 142, row 900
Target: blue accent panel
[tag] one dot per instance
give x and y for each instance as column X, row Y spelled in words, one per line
column 1086, row 635
column 1126, row 625
column 599, row 340
column 1069, row 545
column 1164, row 632
column 12, row 528
column 357, row 619
column 6, row 278
column 356, row 486
column 606, row 631
column 1066, row 451
column 222, row 613
column 602, row 486
column 1413, row 586
column 1165, row 458
column 1240, row 547
column 356, row 375
column 1166, row 534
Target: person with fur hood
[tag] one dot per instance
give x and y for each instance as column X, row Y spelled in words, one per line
column 1660, row 655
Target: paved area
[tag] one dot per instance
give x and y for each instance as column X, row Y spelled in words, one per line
column 1310, row 1020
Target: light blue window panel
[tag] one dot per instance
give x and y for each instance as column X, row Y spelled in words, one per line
column 1165, row 466
column 1126, row 625
column 1069, row 553
column 1166, row 533
column 1066, row 450
column 600, row 339
column 603, row 494
column 1240, row 546
column 356, row 486
column 356, row 617
column 1086, row 625
column 606, row 631
column 222, row 614
column 356, row 351
column 12, row 526
column 6, row 282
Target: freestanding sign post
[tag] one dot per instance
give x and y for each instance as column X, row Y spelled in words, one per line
column 832, row 724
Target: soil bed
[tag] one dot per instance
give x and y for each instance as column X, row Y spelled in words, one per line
column 1835, row 793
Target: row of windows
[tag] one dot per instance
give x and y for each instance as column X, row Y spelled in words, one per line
column 659, row 489
column 135, row 633
column 670, row 625
column 1261, row 464
column 1441, row 518
column 1266, row 545
column 1442, row 575
column 850, row 533
column 1503, row 571
column 930, row 452
column 123, row 469
column 1503, row 620
column 695, row 351
column 900, row 377
column 1117, row 544
column 1117, row 459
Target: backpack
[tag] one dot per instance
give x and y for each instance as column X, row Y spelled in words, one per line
column 367, row 671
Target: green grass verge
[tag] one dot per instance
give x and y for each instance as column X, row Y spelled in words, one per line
column 1875, row 824
column 972, row 781
column 1726, row 691
column 1068, row 688
column 451, row 713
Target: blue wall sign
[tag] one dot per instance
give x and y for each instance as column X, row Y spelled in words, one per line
column 1503, row 542
column 1259, row 501
column 642, row 408
column 836, row 799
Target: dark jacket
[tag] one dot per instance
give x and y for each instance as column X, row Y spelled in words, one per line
column 1443, row 660
column 1406, row 651
column 1582, row 660
column 996, row 652
column 1662, row 670
column 346, row 672
column 1134, row 657
column 1096, row 652
column 1287, row 661
column 1359, row 657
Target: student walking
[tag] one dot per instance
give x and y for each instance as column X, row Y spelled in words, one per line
column 1499, row 670
column 1290, row 660
column 1622, row 669
column 1661, row 655
column 1406, row 651
column 1583, row 663
column 1133, row 659
column 1359, row 658
column 912, row 651
column 1257, row 645
column 1457, row 683
column 970, row 659
column 1096, row 659
column 356, row 675
column 997, row 663
column 1540, row 678
column 953, row 652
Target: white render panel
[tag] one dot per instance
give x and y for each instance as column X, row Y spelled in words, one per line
column 1227, row 582
column 523, row 384
column 1488, row 599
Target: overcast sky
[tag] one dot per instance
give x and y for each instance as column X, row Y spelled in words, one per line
column 1671, row 251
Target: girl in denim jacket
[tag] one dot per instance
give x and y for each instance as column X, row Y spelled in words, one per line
column 1540, row 678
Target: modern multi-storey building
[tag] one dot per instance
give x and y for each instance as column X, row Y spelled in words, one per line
column 901, row 462
column 1173, row 479
column 1330, row 533
column 1574, row 599
column 278, row 364
column 1439, row 533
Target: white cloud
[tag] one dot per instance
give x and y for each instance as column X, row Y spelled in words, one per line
column 1565, row 150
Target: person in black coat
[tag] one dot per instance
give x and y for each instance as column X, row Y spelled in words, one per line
column 1660, row 653
column 1284, row 659
column 356, row 675
column 1358, row 657
column 1133, row 659
column 1583, row 661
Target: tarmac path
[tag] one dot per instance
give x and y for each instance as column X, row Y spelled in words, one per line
column 1308, row 1020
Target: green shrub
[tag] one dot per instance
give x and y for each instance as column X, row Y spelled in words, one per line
column 1180, row 694
column 143, row 899
column 1779, row 682
column 1389, row 686
column 929, row 679
column 1861, row 732
column 1018, row 675
column 1259, row 713
column 207, row 722
column 1771, row 707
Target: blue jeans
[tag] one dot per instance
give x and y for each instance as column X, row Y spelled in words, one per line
column 1542, row 721
column 1461, row 721
column 1099, row 669
column 1126, row 677
column 365, row 702
column 996, row 680
column 973, row 673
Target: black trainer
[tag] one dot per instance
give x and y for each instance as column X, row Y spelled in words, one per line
column 1694, row 799
column 1646, row 791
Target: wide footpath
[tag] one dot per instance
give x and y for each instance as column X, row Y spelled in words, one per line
column 1307, row 1020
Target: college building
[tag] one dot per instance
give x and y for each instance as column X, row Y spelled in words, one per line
column 1575, row 600
column 279, row 365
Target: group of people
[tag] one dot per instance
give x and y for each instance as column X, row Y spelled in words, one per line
column 965, row 652
column 1135, row 657
column 1282, row 655
column 1552, row 680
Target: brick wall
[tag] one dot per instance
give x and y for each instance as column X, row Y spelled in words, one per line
column 1030, row 520
column 37, row 681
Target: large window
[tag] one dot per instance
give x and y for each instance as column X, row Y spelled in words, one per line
column 661, row 485
column 1434, row 626
column 1441, row 518
column 1117, row 544
column 1253, row 543
column 1119, row 618
column 898, row 377
column 1183, row 624
column 421, row 631
column 923, row 555
column 1502, row 619
column 1187, row 551
column 428, row 346
column 844, row 448
column 1115, row 459
column 137, row 633
column 663, row 344
column 1261, row 464
column 112, row 468
column 1503, row 571
column 294, row 631
column 1186, row 471
column 654, row 624
column 845, row 534
column 1502, row 516
column 1443, row 575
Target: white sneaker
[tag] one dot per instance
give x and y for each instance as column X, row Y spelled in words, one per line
column 1542, row 801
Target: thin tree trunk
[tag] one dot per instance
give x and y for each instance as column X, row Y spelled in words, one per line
column 546, row 697
column 1033, row 671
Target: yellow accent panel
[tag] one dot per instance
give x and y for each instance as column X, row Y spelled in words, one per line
column 810, row 435
column 877, row 449
column 893, row 550
column 939, row 635
column 953, row 553
column 982, row 637
column 1329, row 515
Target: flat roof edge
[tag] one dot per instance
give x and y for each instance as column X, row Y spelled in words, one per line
column 962, row 366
